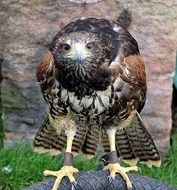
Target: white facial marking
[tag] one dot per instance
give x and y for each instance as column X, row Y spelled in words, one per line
column 78, row 47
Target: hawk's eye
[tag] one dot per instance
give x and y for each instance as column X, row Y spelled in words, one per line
column 65, row 47
column 89, row 46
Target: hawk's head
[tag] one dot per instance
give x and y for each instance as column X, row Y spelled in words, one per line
column 83, row 51
column 83, row 59
column 80, row 49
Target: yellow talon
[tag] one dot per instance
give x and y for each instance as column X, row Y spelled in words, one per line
column 116, row 168
column 64, row 171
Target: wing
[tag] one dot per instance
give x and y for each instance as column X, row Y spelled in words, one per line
column 44, row 72
column 129, row 82
column 129, row 76
column 133, row 141
column 133, row 86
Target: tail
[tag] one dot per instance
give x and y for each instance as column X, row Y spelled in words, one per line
column 124, row 19
column 48, row 140
column 134, row 143
column 91, row 141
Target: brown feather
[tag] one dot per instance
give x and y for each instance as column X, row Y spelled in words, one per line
column 133, row 142
column 100, row 92
column 136, row 68
column 44, row 67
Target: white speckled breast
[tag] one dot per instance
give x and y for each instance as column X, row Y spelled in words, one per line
column 94, row 104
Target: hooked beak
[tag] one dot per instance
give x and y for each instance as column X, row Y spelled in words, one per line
column 78, row 57
column 78, row 52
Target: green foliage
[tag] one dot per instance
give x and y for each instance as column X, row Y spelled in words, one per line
column 167, row 173
column 1, row 129
column 20, row 166
column 25, row 165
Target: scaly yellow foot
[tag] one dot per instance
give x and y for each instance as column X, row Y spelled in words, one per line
column 116, row 168
column 64, row 171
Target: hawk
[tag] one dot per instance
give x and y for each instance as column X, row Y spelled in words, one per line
column 93, row 80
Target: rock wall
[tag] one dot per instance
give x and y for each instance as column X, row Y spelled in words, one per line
column 27, row 28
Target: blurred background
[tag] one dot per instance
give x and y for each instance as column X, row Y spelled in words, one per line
column 28, row 27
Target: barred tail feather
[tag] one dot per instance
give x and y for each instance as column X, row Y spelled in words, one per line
column 90, row 145
column 47, row 139
column 134, row 143
column 137, row 143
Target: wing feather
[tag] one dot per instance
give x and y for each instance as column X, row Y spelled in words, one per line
column 44, row 72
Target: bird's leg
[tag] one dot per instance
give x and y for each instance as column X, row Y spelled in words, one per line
column 113, row 166
column 67, row 168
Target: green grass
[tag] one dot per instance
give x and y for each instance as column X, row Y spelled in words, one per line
column 167, row 173
column 27, row 167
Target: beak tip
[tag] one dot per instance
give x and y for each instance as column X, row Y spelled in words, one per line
column 78, row 57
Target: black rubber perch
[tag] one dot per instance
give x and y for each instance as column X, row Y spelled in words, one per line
column 99, row 181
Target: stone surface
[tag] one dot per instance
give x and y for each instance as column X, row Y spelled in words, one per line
column 27, row 28
column 84, row 1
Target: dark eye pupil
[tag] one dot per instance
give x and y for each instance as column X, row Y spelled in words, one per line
column 66, row 47
column 89, row 46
